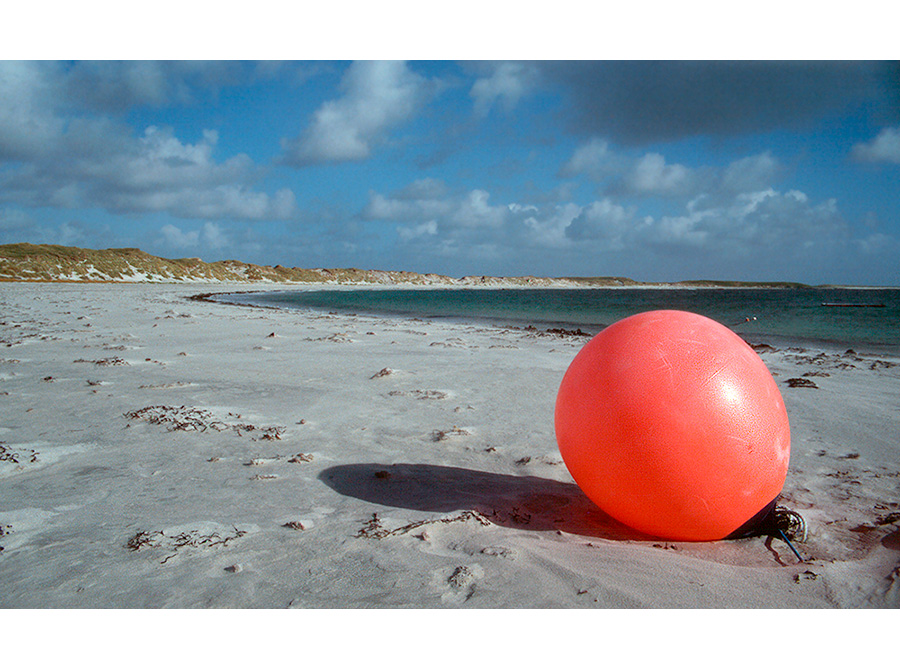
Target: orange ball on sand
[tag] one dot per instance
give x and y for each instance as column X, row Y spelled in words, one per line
column 673, row 425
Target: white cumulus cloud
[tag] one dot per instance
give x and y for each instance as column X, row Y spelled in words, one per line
column 96, row 163
column 474, row 211
column 750, row 173
column 176, row 237
column 603, row 220
column 650, row 175
column 508, row 83
column 594, row 159
column 620, row 174
column 885, row 148
column 407, row 233
column 210, row 235
column 377, row 97
column 764, row 223
column 62, row 152
column 750, row 234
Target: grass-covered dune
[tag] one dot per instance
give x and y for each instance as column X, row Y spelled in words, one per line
column 49, row 262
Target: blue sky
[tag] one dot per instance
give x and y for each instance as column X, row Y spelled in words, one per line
column 656, row 170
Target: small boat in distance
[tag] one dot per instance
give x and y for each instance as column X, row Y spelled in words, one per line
column 850, row 304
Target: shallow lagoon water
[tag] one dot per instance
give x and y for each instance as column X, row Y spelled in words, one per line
column 756, row 313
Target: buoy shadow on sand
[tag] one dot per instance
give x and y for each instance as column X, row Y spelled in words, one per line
column 520, row 502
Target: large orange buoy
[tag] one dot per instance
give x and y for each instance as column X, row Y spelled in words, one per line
column 673, row 425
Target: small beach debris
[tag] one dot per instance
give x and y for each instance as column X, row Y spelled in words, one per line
column 105, row 362
column 235, row 568
column 888, row 519
column 337, row 338
column 806, row 576
column 172, row 543
column 16, row 456
column 166, row 386
column 568, row 333
column 193, row 419
column 382, row 474
column 801, row 383
column 822, row 359
column 294, row 525
column 441, row 435
column 516, row 515
column 553, row 332
column 452, row 342
column 178, row 418
column 256, row 462
column 301, row 457
column 387, row 371
column 420, row 394
column 373, row 529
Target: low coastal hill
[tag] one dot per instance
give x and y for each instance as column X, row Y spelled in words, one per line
column 52, row 263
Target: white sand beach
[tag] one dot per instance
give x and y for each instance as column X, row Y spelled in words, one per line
column 157, row 452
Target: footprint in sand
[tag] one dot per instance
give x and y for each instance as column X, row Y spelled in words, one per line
column 460, row 585
column 500, row 551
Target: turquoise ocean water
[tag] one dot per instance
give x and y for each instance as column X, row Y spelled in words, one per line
column 761, row 315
